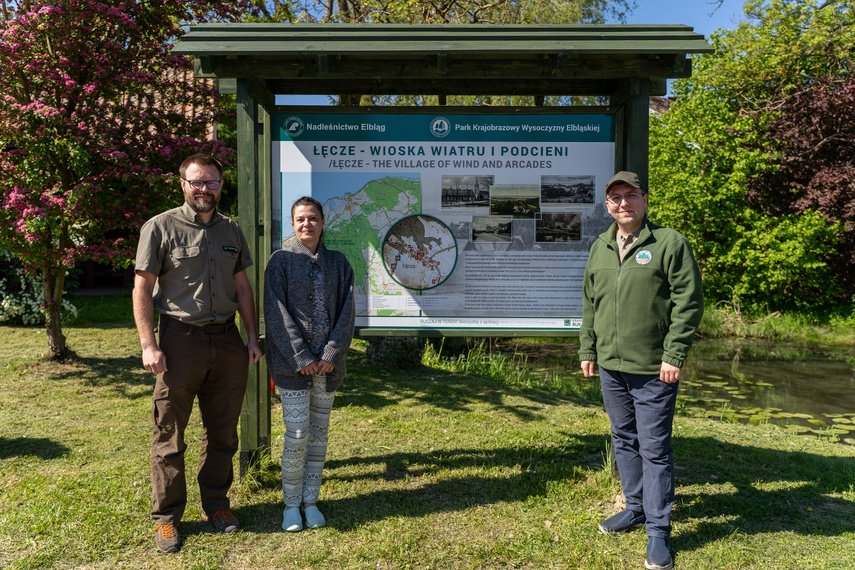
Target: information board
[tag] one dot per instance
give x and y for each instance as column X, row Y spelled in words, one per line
column 452, row 220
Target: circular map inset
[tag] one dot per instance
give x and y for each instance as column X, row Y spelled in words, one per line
column 420, row 252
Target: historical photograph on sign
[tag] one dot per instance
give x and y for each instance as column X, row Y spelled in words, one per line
column 558, row 227
column 461, row 229
column 517, row 201
column 467, row 192
column 491, row 229
column 561, row 190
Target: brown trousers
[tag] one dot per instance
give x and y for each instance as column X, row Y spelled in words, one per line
column 212, row 367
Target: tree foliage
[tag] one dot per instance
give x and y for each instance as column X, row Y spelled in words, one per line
column 95, row 116
column 447, row 11
column 740, row 166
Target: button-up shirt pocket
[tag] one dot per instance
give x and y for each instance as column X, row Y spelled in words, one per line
column 183, row 254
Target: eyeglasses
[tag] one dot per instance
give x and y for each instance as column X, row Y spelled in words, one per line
column 629, row 197
column 199, row 184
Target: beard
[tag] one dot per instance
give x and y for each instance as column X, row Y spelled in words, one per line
column 199, row 203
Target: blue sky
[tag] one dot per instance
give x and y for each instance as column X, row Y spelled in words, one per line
column 698, row 14
column 695, row 13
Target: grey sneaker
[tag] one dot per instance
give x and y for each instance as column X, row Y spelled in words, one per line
column 292, row 521
column 622, row 522
column 314, row 517
column 166, row 537
column 658, row 554
column 223, row 521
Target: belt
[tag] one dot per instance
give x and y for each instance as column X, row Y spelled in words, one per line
column 220, row 328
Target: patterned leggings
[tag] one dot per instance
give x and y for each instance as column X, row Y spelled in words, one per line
column 306, row 414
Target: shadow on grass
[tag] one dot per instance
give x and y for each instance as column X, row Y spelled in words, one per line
column 533, row 471
column 123, row 374
column 41, row 447
column 374, row 388
column 756, row 490
column 797, row 499
column 760, row 490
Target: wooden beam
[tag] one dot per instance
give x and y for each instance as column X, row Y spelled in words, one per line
column 449, row 87
column 637, row 139
column 442, row 63
column 314, row 39
column 561, row 64
column 254, row 429
column 441, row 66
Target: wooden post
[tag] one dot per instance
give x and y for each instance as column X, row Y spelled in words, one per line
column 253, row 165
column 637, row 142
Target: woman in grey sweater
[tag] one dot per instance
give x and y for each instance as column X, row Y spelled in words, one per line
column 309, row 316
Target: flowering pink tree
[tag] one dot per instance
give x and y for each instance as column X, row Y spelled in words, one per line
column 95, row 117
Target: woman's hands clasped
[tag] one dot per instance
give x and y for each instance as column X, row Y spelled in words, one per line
column 318, row 367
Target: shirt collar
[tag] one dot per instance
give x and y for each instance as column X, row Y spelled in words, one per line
column 640, row 233
column 630, row 237
column 192, row 215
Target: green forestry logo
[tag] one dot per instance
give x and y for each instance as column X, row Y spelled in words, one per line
column 294, row 126
column 643, row 257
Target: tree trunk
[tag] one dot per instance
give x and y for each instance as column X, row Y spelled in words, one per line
column 52, row 286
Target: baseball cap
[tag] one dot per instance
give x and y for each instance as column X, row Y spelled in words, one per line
column 624, row 177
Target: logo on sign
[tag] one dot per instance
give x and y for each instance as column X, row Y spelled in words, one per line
column 440, row 127
column 294, row 127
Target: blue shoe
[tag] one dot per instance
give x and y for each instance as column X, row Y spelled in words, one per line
column 314, row 517
column 291, row 520
column 622, row 522
column 658, row 554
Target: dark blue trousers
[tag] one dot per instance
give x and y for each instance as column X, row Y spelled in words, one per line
column 641, row 411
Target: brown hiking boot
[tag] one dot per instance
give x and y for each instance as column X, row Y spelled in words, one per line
column 223, row 521
column 166, row 537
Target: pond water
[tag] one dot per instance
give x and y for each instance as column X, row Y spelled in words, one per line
column 807, row 389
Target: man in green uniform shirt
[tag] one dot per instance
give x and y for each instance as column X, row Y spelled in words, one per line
column 642, row 301
column 191, row 267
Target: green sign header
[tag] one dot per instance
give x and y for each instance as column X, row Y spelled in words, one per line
column 444, row 128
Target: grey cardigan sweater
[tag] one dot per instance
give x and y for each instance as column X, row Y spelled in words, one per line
column 288, row 308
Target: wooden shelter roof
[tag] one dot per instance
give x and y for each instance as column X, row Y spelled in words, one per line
column 401, row 59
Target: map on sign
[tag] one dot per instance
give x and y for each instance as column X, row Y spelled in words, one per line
column 356, row 223
column 420, row 252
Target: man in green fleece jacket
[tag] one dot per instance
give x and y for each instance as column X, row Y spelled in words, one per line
column 642, row 301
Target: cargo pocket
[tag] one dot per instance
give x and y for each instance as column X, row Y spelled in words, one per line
column 163, row 418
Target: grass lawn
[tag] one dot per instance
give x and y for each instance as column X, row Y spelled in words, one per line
column 426, row 469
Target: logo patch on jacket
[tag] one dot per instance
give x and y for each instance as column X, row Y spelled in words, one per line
column 230, row 249
column 643, row 257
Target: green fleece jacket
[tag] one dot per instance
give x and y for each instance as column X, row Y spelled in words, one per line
column 645, row 311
